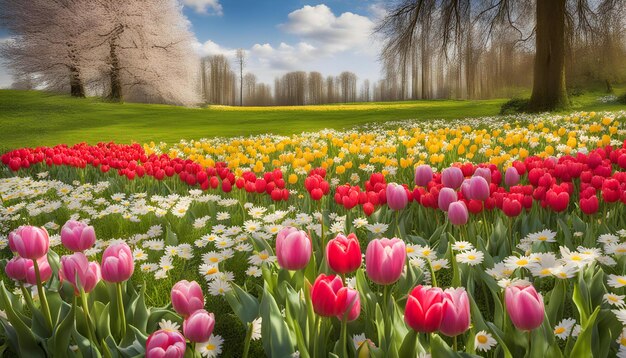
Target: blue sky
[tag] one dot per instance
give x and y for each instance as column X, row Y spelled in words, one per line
column 329, row 36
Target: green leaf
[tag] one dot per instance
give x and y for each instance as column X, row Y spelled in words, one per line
column 63, row 332
column 497, row 334
column 26, row 340
column 439, row 348
column 274, row 326
column 556, row 301
column 407, row 349
column 170, row 236
column 582, row 348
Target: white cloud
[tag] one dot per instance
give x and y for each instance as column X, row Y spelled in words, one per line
column 330, row 33
column 204, row 6
column 210, row 48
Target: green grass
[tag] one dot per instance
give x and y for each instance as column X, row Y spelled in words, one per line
column 31, row 118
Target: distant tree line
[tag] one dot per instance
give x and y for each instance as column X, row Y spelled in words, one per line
column 224, row 85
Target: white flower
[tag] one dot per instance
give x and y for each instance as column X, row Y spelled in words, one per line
column 169, row 326
column 377, row 228
column 622, row 339
column 209, row 271
column 253, row 271
column 564, row 271
column 261, row 257
column 514, row 262
column 613, row 299
column 620, row 315
column 616, row 281
column 439, row 264
column 359, row 222
column 462, row 246
column 211, row 348
column 219, row 288
column 359, row 339
column 499, row 271
column 564, row 328
column 470, row 257
column 256, row 329
column 222, row 216
column 483, row 341
column 542, row 236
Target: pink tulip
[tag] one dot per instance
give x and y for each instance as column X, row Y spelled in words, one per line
column 452, row 177
column 483, row 172
column 511, row 177
column 29, row 242
column 446, row 197
column 117, row 263
column 45, row 271
column 524, row 306
column 456, row 312
column 423, row 310
column 16, row 268
column 77, row 236
column 457, row 213
column 384, row 260
column 397, row 198
column 79, row 272
column 423, row 175
column 166, row 344
column 348, row 304
column 479, row 188
column 293, row 249
column 198, row 327
column 187, row 297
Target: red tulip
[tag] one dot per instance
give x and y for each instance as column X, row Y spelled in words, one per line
column 344, row 254
column 424, row 309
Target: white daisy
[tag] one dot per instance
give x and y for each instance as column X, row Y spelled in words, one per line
column 484, row 341
column 613, row 299
column 211, row 348
column 470, row 257
column 564, row 328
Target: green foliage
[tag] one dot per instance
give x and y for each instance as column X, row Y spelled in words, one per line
column 514, row 105
column 622, row 99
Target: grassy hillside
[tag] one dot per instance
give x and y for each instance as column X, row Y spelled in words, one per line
column 29, row 118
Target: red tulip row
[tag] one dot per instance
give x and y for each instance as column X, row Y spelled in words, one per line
column 479, row 187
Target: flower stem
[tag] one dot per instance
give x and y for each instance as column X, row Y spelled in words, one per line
column 344, row 335
column 246, row 346
column 42, row 296
column 433, row 278
column 83, row 300
column 120, row 308
column 455, row 344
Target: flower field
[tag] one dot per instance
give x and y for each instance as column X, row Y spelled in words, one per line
column 496, row 237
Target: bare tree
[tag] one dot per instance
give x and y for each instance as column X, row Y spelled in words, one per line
column 240, row 58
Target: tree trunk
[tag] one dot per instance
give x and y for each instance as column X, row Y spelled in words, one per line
column 116, row 81
column 549, row 91
column 77, row 88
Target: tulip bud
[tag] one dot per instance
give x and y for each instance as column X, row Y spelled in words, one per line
column 166, row 343
column 293, row 249
column 198, row 327
column 452, row 177
column 187, row 297
column 423, row 175
column 446, row 197
column 324, row 295
column 343, row 254
column 79, row 272
column 384, row 260
column 397, row 198
column 29, row 242
column 525, row 307
column 423, row 310
column 117, row 263
column 479, row 188
column 457, row 213
column 455, row 312
column 511, row 177
column 77, row 236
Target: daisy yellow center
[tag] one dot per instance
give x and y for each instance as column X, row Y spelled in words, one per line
column 542, row 238
column 426, row 252
column 545, row 271
column 210, row 347
column 621, row 280
column 471, row 257
column 211, row 271
column 263, row 256
column 409, row 249
column 622, row 341
column 522, row 262
column 612, row 298
column 559, row 330
column 481, row 339
column 214, row 259
column 221, row 290
column 576, row 258
column 620, row 250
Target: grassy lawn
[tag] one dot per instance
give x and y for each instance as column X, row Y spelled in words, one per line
column 29, row 118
